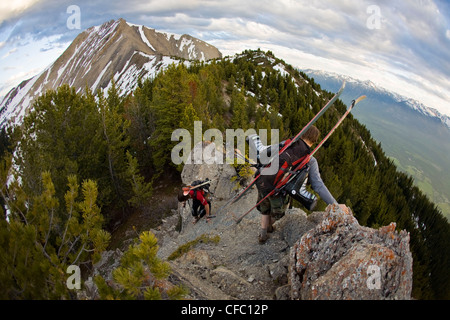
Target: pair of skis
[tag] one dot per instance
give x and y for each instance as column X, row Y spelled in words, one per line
column 298, row 136
column 292, row 173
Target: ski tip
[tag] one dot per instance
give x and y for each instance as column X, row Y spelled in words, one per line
column 360, row 99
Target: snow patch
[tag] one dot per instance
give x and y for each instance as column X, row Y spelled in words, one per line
column 144, row 38
column 22, row 101
column 280, row 68
column 100, row 76
column 190, row 48
column 169, row 35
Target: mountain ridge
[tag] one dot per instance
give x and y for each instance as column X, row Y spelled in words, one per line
column 115, row 50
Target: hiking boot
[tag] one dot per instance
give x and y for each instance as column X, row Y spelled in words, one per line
column 271, row 229
column 262, row 238
column 196, row 218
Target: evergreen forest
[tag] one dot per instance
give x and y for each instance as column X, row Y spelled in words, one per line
column 81, row 159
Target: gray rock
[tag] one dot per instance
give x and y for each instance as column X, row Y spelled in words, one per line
column 339, row 259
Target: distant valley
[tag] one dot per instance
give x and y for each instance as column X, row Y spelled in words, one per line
column 417, row 138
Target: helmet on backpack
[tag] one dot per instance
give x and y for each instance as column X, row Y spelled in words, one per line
column 183, row 195
column 204, row 187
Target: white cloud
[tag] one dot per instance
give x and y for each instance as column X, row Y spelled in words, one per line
column 9, row 53
column 23, row 62
column 411, row 42
column 16, row 78
column 433, row 93
column 11, row 9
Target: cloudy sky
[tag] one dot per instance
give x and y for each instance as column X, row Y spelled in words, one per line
column 403, row 46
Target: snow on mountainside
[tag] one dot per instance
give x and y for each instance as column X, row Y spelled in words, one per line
column 371, row 87
column 115, row 50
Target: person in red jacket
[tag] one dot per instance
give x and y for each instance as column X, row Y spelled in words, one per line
column 201, row 206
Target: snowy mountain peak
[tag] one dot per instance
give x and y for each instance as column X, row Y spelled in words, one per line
column 114, row 50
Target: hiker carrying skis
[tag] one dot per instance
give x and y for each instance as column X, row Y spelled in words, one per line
column 201, row 206
column 273, row 208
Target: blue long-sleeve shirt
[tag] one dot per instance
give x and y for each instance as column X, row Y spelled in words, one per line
column 317, row 184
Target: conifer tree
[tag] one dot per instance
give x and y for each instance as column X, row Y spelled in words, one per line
column 142, row 191
column 114, row 133
column 114, row 100
column 187, row 119
column 141, row 274
column 231, row 84
column 264, row 123
column 142, row 124
column 69, row 133
column 38, row 243
column 218, row 123
column 50, row 222
column 210, row 90
column 171, row 96
column 60, row 135
column 238, row 105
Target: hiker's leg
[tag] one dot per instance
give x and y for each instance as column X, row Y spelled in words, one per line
column 195, row 207
column 278, row 205
column 208, row 212
column 270, row 227
column 195, row 210
column 265, row 221
column 202, row 212
column 264, row 209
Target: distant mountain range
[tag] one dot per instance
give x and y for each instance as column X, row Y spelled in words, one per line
column 333, row 80
column 115, row 50
column 415, row 136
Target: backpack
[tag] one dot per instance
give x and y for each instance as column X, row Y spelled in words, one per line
column 205, row 187
column 291, row 157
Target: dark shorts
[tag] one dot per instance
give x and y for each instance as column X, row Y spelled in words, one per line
column 198, row 209
column 274, row 206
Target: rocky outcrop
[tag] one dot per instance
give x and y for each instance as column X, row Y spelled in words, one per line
column 339, row 259
column 323, row 255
